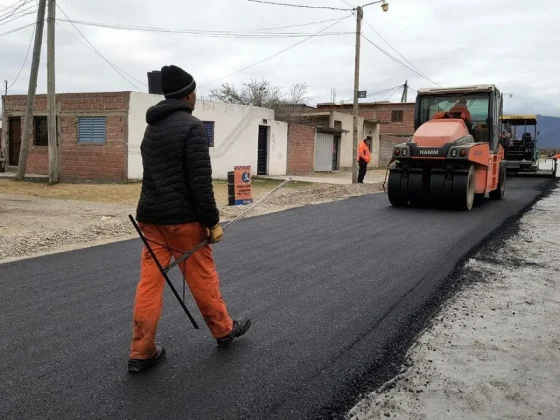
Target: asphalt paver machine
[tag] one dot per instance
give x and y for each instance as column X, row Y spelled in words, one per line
column 519, row 139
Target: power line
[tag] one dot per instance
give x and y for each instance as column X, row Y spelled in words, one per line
column 98, row 53
column 114, row 66
column 394, row 49
column 14, row 11
column 345, row 2
column 17, row 29
column 18, row 16
column 299, row 25
column 391, row 95
column 397, row 60
column 206, row 33
column 301, row 6
column 278, row 53
column 30, row 10
column 11, row 6
column 392, row 90
column 25, row 60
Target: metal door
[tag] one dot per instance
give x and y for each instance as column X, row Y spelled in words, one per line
column 336, row 152
column 324, row 152
column 14, row 133
column 262, row 152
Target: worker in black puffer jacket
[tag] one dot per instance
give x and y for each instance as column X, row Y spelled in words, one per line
column 176, row 211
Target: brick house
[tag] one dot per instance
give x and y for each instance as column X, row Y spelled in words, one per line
column 396, row 123
column 91, row 134
column 99, row 135
column 322, row 141
column 397, row 118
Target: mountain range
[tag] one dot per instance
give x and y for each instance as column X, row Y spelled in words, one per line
column 549, row 137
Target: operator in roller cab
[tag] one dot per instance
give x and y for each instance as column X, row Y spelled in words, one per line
column 454, row 155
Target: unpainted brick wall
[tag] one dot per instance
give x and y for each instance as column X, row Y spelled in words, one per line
column 383, row 113
column 301, row 148
column 84, row 161
column 406, row 127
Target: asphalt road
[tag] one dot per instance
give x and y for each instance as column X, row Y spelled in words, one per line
column 330, row 289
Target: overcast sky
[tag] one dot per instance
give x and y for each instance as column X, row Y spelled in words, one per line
column 512, row 43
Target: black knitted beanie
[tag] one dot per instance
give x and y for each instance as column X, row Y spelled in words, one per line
column 176, row 83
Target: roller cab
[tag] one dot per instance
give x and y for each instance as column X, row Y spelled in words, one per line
column 454, row 156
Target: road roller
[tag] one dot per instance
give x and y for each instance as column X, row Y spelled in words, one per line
column 454, row 157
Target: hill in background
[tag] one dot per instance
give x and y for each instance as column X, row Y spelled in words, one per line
column 549, row 128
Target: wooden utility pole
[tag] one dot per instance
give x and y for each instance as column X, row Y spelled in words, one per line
column 28, row 121
column 359, row 17
column 51, row 94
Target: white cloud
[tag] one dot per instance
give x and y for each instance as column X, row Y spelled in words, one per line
column 511, row 43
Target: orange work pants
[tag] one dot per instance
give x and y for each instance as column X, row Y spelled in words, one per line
column 199, row 271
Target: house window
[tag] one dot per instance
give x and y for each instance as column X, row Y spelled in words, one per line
column 91, row 130
column 210, row 130
column 41, row 129
column 397, row 116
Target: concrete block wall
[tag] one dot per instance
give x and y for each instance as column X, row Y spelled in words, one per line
column 386, row 144
column 301, row 148
column 91, row 161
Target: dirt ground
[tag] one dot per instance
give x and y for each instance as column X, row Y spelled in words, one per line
column 37, row 219
column 493, row 352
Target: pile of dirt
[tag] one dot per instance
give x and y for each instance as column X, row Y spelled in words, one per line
column 299, row 197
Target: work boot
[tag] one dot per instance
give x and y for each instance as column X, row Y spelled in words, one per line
column 240, row 327
column 139, row 365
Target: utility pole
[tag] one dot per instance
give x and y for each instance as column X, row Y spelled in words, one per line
column 405, row 92
column 3, row 145
column 27, row 125
column 359, row 17
column 51, row 94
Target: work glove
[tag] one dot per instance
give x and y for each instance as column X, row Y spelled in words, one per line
column 215, row 234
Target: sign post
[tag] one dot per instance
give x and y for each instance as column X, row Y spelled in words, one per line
column 239, row 186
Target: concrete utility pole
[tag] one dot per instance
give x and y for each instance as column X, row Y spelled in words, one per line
column 28, row 121
column 3, row 146
column 51, row 91
column 405, row 92
column 359, row 18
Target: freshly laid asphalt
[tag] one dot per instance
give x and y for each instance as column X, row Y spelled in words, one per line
column 330, row 289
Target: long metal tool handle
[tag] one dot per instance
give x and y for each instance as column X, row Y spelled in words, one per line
column 244, row 212
column 163, row 271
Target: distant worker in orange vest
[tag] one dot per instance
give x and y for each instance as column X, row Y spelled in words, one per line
column 364, row 157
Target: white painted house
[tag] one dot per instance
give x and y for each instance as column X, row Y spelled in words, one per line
column 239, row 136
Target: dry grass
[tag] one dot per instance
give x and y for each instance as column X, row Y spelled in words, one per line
column 125, row 193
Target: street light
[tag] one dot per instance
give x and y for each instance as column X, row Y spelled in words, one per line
column 359, row 18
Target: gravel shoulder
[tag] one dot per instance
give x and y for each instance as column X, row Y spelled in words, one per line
column 493, row 350
column 36, row 219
